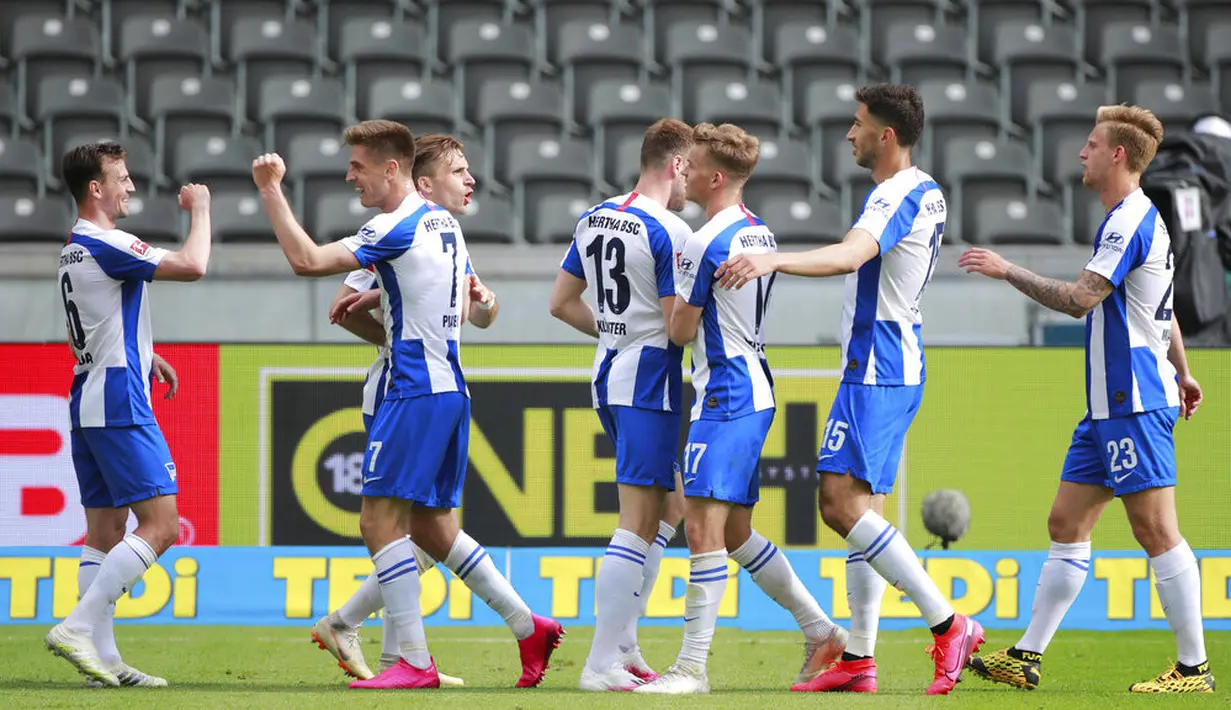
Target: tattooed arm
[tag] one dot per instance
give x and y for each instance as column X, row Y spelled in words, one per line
column 1075, row 299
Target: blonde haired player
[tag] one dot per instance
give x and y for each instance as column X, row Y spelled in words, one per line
column 1137, row 385
column 731, row 415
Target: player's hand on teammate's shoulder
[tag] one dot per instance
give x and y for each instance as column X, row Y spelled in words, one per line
column 984, row 261
column 162, row 371
column 267, row 170
column 742, row 268
column 1190, row 396
column 194, row 196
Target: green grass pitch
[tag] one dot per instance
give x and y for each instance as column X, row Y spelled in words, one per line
column 279, row 667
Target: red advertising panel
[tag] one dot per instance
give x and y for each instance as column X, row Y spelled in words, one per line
column 39, row 502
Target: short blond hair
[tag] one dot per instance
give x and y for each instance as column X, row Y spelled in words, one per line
column 430, row 150
column 1137, row 129
column 732, row 149
column 388, row 140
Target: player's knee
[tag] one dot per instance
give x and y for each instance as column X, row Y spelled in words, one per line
column 1155, row 536
column 702, row 536
column 1064, row 529
column 161, row 534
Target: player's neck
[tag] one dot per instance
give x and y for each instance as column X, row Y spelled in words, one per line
column 94, row 215
column 719, row 201
column 397, row 195
column 894, row 163
column 656, row 190
column 1117, row 188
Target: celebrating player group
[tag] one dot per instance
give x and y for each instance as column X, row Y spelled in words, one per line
column 647, row 287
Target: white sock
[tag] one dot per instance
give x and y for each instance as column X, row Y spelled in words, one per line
column 891, row 556
column 123, row 567
column 617, row 587
column 707, row 580
column 775, row 576
column 104, row 630
column 363, row 603
column 1178, row 582
column 627, row 639
column 1060, row 580
column 471, row 563
column 864, row 591
column 389, row 646
column 396, row 572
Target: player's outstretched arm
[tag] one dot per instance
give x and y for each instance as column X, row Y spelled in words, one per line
column 191, row 261
column 1075, row 298
column 846, row 257
column 1190, row 390
column 358, row 322
column 566, row 304
column 481, row 304
column 307, row 258
column 685, row 318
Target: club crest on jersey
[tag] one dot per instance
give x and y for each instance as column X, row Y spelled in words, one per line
column 139, row 247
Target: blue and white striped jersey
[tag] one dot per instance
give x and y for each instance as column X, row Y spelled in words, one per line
column 1129, row 333
column 377, row 380
column 420, row 259
column 729, row 371
column 882, row 341
column 625, row 249
column 102, row 280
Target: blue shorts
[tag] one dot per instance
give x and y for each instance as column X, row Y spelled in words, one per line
column 367, row 423
column 865, row 432
column 117, row 466
column 417, row 450
column 647, row 443
column 722, row 458
column 1125, row 454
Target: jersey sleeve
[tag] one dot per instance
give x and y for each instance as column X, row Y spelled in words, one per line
column 1117, row 252
column 664, row 258
column 370, row 246
column 127, row 258
column 887, row 217
column 469, row 267
column 694, row 273
column 361, row 280
column 572, row 262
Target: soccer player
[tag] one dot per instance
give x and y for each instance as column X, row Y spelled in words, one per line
column 417, row 448
column 442, row 175
column 629, row 245
column 119, row 453
column 888, row 257
column 1137, row 385
column 731, row 415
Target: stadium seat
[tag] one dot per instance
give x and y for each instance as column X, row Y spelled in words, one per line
column 426, row 107
column 220, row 161
column 156, row 219
column 444, row 15
column 338, row 214
column 34, row 219
column 516, row 108
column 264, row 48
column 555, row 21
column 547, row 167
column 334, row 16
column 21, row 167
column 1176, row 105
column 290, row 106
column 853, row 182
column 770, row 17
column 783, row 169
column 141, row 161
column 240, row 217
column 488, row 220
column 754, row 106
column 48, row 45
column 590, row 52
column 808, row 54
column 1057, row 109
column 697, row 52
column 1093, row 219
column 794, row 220
column 877, row 16
column 918, row 52
column 1063, row 159
column 316, row 164
column 483, row 51
column 953, row 110
column 977, row 170
column 225, row 14
column 1094, row 16
column 829, row 115
column 1196, row 18
column 1028, row 53
column 68, row 104
column 153, row 46
column 1133, row 53
column 619, row 114
column 113, row 14
column 1218, row 59
column 1067, row 177
column 1000, row 220
column 11, row 119
column 986, row 17
column 371, row 49
column 625, row 165
column 11, row 11
column 555, row 217
column 187, row 104
column 660, row 16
